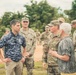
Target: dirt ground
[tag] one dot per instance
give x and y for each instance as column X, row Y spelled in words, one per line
column 38, row 53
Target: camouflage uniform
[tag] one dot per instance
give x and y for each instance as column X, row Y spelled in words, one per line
column 74, row 41
column 38, row 37
column 73, row 23
column 52, row 61
column 30, row 37
column 45, row 37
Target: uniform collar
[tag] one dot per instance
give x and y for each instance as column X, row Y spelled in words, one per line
column 13, row 34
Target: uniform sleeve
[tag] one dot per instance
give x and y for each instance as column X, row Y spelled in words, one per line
column 66, row 48
column 44, row 57
column 31, row 52
column 42, row 37
column 45, row 54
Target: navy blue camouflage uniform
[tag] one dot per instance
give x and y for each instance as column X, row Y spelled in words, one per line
column 12, row 49
column 12, row 46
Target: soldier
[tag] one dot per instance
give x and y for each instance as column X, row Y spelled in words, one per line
column 51, row 61
column 74, row 35
column 30, row 37
column 38, row 37
column 45, row 37
column 61, row 20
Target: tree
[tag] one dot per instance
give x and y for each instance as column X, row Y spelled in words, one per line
column 40, row 14
column 72, row 13
column 2, row 30
column 8, row 16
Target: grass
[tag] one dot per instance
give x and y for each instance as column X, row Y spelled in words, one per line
column 1, row 65
column 38, row 70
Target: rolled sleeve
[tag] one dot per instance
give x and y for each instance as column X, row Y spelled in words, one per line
column 66, row 48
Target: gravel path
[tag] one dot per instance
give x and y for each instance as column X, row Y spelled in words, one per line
column 38, row 53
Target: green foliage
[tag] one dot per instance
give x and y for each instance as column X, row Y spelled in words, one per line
column 8, row 16
column 5, row 21
column 40, row 14
column 72, row 13
column 2, row 30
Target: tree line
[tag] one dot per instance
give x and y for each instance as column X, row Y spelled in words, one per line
column 40, row 14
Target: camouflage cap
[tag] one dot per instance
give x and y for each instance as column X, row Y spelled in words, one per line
column 54, row 23
column 25, row 19
column 46, row 26
column 61, row 19
column 73, row 22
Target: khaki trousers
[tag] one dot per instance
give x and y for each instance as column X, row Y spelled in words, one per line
column 14, row 68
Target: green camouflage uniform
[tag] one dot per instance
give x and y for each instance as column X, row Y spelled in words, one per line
column 74, row 37
column 74, row 41
column 30, row 37
column 52, row 45
column 38, row 37
column 52, row 61
column 45, row 37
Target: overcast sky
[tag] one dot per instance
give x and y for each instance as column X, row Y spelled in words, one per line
column 18, row 5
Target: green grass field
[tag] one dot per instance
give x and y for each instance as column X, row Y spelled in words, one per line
column 38, row 70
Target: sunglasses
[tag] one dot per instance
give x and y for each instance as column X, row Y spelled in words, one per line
column 25, row 21
column 60, row 22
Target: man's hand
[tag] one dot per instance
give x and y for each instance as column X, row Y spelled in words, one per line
column 44, row 65
column 23, row 60
column 53, row 53
column 27, row 55
column 6, row 60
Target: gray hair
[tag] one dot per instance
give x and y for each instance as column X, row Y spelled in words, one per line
column 66, row 27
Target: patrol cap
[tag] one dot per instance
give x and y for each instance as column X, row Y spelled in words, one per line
column 73, row 22
column 61, row 20
column 54, row 23
column 25, row 19
column 46, row 26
